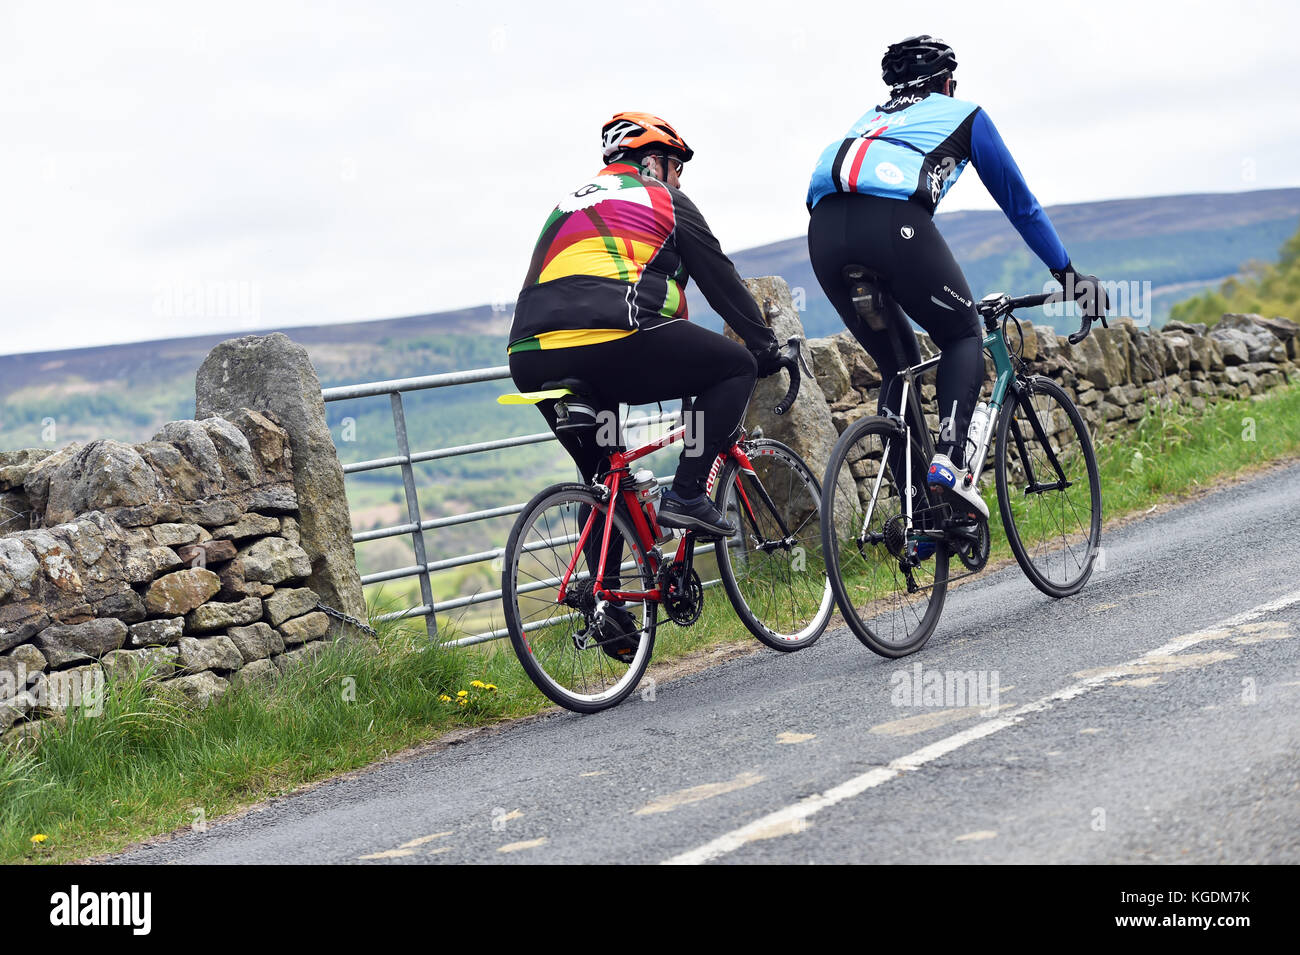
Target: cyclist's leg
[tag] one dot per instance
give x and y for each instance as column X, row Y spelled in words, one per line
column 853, row 231
column 530, row 370
column 929, row 285
column 675, row 359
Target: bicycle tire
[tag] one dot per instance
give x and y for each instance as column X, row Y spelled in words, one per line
column 1026, row 520
column 760, row 582
column 867, row 578
column 542, row 639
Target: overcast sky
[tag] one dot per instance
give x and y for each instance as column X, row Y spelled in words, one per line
column 175, row 168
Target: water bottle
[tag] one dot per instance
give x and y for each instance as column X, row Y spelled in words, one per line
column 646, row 486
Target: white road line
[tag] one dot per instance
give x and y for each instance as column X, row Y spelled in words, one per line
column 795, row 815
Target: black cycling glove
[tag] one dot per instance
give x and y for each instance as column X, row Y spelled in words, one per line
column 769, row 360
column 1087, row 290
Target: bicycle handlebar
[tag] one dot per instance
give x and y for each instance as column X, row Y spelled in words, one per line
column 791, row 359
column 1041, row 299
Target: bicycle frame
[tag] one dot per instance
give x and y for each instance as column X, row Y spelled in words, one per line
column 995, row 344
column 613, row 482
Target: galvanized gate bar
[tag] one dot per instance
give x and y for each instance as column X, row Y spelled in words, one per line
column 376, row 388
column 413, row 511
column 415, row 526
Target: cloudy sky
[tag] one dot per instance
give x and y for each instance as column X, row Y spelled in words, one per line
column 176, row 168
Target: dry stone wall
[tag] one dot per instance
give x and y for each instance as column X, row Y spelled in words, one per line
column 1110, row 375
column 182, row 553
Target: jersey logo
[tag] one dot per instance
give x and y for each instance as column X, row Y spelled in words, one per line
column 593, row 192
column 888, row 172
column 907, row 232
column 908, row 99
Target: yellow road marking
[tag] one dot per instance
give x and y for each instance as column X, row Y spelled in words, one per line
column 1262, row 632
column 599, row 772
column 423, row 839
column 979, row 835
column 390, row 854
column 788, row 737
column 698, row 794
column 519, row 846
column 1162, row 663
column 910, row 725
column 434, row 852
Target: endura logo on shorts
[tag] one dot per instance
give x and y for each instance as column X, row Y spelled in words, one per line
column 957, row 296
column 907, row 232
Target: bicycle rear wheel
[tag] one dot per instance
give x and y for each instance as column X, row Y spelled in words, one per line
column 1049, row 490
column 890, row 594
column 564, row 652
column 772, row 568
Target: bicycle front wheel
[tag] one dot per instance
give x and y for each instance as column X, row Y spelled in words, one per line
column 889, row 581
column 579, row 661
column 772, row 568
column 1049, row 490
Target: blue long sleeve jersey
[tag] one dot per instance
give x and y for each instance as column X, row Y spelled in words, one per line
column 915, row 146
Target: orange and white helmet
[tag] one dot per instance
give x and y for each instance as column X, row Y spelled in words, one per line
column 634, row 130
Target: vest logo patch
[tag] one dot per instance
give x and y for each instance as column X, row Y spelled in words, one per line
column 888, row 172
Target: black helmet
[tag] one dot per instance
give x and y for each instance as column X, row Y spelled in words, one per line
column 915, row 60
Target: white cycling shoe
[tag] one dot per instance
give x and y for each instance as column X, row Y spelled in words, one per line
column 946, row 475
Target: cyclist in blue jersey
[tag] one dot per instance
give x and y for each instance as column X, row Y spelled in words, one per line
column 872, row 199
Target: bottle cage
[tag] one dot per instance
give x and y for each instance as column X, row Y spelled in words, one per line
column 867, row 296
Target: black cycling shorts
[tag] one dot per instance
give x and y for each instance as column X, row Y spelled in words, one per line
column 898, row 241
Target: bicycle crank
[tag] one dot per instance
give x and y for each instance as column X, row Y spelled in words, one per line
column 684, row 598
column 971, row 542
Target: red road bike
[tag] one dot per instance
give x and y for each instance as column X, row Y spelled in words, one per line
column 584, row 577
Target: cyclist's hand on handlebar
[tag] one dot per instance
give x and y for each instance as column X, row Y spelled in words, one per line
column 1087, row 290
column 770, row 360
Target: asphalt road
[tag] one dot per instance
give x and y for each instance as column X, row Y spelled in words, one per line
column 1155, row 717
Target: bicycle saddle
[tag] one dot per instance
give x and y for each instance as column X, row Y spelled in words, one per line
column 563, row 388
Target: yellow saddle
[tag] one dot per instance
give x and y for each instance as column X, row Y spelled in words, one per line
column 532, row 397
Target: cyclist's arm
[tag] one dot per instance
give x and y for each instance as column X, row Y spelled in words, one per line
column 1001, row 176
column 716, row 276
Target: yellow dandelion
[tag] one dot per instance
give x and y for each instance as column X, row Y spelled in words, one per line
column 462, row 701
column 491, row 687
column 444, row 698
column 38, row 838
column 462, row 693
column 478, row 684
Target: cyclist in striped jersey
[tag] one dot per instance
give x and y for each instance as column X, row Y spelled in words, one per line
column 872, row 198
column 605, row 302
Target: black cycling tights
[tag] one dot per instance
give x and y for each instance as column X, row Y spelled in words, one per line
column 669, row 361
column 897, row 240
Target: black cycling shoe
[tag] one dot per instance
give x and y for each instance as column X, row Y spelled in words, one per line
column 620, row 635
column 697, row 514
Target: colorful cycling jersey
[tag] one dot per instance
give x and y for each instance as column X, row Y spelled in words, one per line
column 615, row 256
column 915, row 146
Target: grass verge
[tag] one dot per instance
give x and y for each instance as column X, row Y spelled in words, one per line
column 149, row 764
